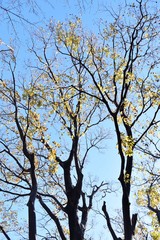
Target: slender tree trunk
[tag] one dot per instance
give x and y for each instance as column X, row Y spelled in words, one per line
column 32, row 220
column 31, row 202
column 126, row 217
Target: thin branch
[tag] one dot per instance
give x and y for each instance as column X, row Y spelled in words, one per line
column 104, row 209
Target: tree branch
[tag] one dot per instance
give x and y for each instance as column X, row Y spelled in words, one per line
column 109, row 222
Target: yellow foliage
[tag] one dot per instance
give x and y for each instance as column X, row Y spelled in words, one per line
column 119, row 119
column 155, row 235
column 68, row 34
column 73, row 41
column 3, row 83
column 127, row 178
column 52, row 155
column 141, row 200
column 66, row 231
column 53, row 165
column 128, row 120
column 130, row 77
column 127, row 144
column 154, row 197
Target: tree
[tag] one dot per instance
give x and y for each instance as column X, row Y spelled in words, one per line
column 148, row 194
column 32, row 115
column 121, row 73
column 53, row 117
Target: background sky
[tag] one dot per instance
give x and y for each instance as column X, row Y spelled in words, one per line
column 19, row 38
column 17, row 34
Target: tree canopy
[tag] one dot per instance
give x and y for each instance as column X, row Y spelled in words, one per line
column 77, row 91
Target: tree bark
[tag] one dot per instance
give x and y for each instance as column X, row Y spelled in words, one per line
column 32, row 220
column 75, row 229
column 31, row 202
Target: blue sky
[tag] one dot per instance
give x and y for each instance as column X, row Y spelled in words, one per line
column 91, row 16
column 19, row 37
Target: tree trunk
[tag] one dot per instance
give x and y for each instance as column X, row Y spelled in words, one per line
column 32, row 220
column 76, row 232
